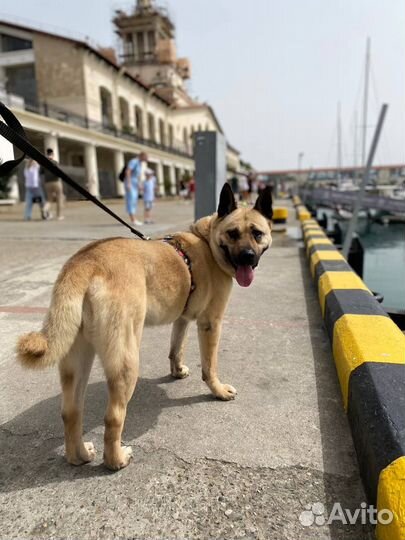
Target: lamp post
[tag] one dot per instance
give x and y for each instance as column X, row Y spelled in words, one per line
column 300, row 157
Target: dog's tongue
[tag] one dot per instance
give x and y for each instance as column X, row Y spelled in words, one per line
column 244, row 275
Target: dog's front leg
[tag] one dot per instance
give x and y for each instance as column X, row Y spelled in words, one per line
column 177, row 344
column 209, row 332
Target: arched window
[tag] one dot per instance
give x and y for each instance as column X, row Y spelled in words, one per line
column 171, row 136
column 139, row 121
column 124, row 114
column 185, row 139
column 162, row 132
column 106, row 107
column 151, row 127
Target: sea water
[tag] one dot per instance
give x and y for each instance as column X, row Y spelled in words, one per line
column 384, row 261
column 384, row 257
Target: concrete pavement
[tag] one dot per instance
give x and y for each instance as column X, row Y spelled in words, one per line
column 202, row 468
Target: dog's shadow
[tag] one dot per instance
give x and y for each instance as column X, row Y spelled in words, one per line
column 32, row 452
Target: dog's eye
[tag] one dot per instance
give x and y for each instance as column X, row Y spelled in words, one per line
column 233, row 234
column 257, row 235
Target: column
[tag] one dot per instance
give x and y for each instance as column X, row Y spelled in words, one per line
column 119, row 162
column 160, row 178
column 90, row 160
column 172, row 178
column 51, row 141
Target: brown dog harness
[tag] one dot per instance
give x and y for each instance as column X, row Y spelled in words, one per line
column 172, row 241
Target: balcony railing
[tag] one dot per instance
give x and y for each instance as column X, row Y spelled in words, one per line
column 50, row 111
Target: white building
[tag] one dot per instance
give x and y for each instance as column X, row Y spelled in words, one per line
column 97, row 111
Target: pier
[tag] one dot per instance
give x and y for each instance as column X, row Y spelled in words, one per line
column 251, row 468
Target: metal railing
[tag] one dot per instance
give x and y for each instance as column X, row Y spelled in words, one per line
column 348, row 199
column 57, row 113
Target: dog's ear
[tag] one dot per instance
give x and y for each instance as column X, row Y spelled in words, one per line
column 227, row 203
column 202, row 227
column 264, row 203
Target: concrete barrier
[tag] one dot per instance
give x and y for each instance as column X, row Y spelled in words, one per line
column 302, row 213
column 296, row 200
column 280, row 216
column 369, row 353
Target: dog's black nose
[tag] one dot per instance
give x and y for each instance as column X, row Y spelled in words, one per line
column 247, row 257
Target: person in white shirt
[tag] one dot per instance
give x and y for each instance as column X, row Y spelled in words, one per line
column 33, row 190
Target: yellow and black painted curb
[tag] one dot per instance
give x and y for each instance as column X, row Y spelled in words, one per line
column 369, row 353
column 280, row 216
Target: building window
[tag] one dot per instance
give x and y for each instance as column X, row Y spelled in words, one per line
column 151, row 44
column 106, row 107
column 185, row 139
column 128, row 46
column 171, row 136
column 139, row 121
column 140, row 46
column 124, row 115
column 162, row 133
column 12, row 43
column 21, row 81
column 151, row 127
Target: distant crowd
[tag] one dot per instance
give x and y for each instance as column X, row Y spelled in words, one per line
column 42, row 187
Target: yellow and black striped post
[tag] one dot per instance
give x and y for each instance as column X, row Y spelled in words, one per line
column 369, row 353
column 280, row 216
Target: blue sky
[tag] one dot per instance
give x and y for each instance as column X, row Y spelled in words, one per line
column 274, row 70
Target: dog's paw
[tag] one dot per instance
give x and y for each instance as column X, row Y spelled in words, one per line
column 181, row 372
column 122, row 461
column 226, row 392
column 86, row 454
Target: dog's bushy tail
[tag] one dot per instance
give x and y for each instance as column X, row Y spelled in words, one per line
column 39, row 350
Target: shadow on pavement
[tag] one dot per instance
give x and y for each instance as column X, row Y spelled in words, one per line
column 32, row 443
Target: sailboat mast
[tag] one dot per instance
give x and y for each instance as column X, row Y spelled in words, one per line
column 339, row 144
column 365, row 103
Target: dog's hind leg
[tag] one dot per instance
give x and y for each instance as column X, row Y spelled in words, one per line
column 177, row 345
column 74, row 372
column 122, row 374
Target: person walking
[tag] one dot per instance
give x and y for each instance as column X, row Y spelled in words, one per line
column 149, row 187
column 53, row 185
column 132, row 182
column 33, row 190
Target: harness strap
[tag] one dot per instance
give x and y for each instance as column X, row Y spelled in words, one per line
column 172, row 241
column 14, row 133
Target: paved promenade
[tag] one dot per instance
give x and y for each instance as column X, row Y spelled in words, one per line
column 202, row 468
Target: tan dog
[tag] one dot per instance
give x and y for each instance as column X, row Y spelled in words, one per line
column 110, row 289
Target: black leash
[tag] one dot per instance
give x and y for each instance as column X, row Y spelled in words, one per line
column 14, row 133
